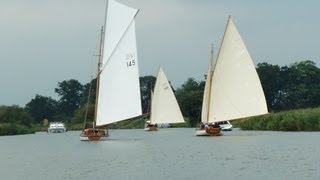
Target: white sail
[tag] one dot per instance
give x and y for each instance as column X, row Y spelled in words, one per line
column 236, row 89
column 164, row 105
column 119, row 89
column 207, row 91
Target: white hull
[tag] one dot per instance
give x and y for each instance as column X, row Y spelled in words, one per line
column 57, row 130
column 56, row 127
column 225, row 126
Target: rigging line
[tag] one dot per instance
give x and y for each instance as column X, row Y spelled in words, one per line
column 114, row 49
column 87, row 104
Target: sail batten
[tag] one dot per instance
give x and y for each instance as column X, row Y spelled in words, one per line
column 236, row 91
column 164, row 106
column 119, row 89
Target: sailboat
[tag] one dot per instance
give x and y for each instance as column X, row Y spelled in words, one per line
column 233, row 89
column 118, row 89
column 164, row 105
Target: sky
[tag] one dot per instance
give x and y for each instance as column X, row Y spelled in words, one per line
column 43, row 42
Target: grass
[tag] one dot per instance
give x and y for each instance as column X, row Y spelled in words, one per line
column 16, row 129
column 293, row 120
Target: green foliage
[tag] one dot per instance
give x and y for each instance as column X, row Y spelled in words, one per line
column 293, row 120
column 70, row 93
column 190, row 97
column 15, row 115
column 15, row 120
column 15, row 129
column 271, row 81
column 293, row 87
column 42, row 107
column 286, row 88
column 85, row 93
column 79, row 115
column 146, row 86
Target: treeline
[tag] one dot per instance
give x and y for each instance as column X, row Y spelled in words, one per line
column 290, row 87
column 286, row 88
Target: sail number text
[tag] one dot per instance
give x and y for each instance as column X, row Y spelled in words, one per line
column 131, row 59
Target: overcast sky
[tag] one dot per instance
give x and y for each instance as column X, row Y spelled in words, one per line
column 43, row 42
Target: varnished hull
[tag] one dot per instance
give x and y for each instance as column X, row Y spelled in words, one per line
column 93, row 138
column 93, row 135
column 151, row 128
column 209, row 132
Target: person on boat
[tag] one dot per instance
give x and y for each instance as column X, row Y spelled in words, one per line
column 206, row 126
column 215, row 125
column 201, row 125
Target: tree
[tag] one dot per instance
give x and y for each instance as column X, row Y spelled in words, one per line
column 146, row 85
column 293, row 87
column 70, row 93
column 302, row 87
column 15, row 115
column 79, row 115
column 272, row 83
column 190, row 97
column 91, row 86
column 41, row 108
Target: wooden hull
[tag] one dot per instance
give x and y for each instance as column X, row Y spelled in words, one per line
column 93, row 134
column 209, row 132
column 153, row 128
column 99, row 138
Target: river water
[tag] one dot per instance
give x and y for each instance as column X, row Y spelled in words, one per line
column 166, row 154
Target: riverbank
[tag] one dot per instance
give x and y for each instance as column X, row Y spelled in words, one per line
column 294, row 120
column 16, row 129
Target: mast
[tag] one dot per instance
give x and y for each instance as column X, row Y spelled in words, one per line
column 211, row 73
column 151, row 105
column 87, row 105
column 98, row 77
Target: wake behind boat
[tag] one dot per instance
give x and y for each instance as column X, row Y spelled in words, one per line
column 233, row 89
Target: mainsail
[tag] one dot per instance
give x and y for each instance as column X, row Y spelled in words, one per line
column 207, row 91
column 119, row 89
column 164, row 105
column 236, row 91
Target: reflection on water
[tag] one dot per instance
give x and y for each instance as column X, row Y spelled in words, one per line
column 165, row 154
